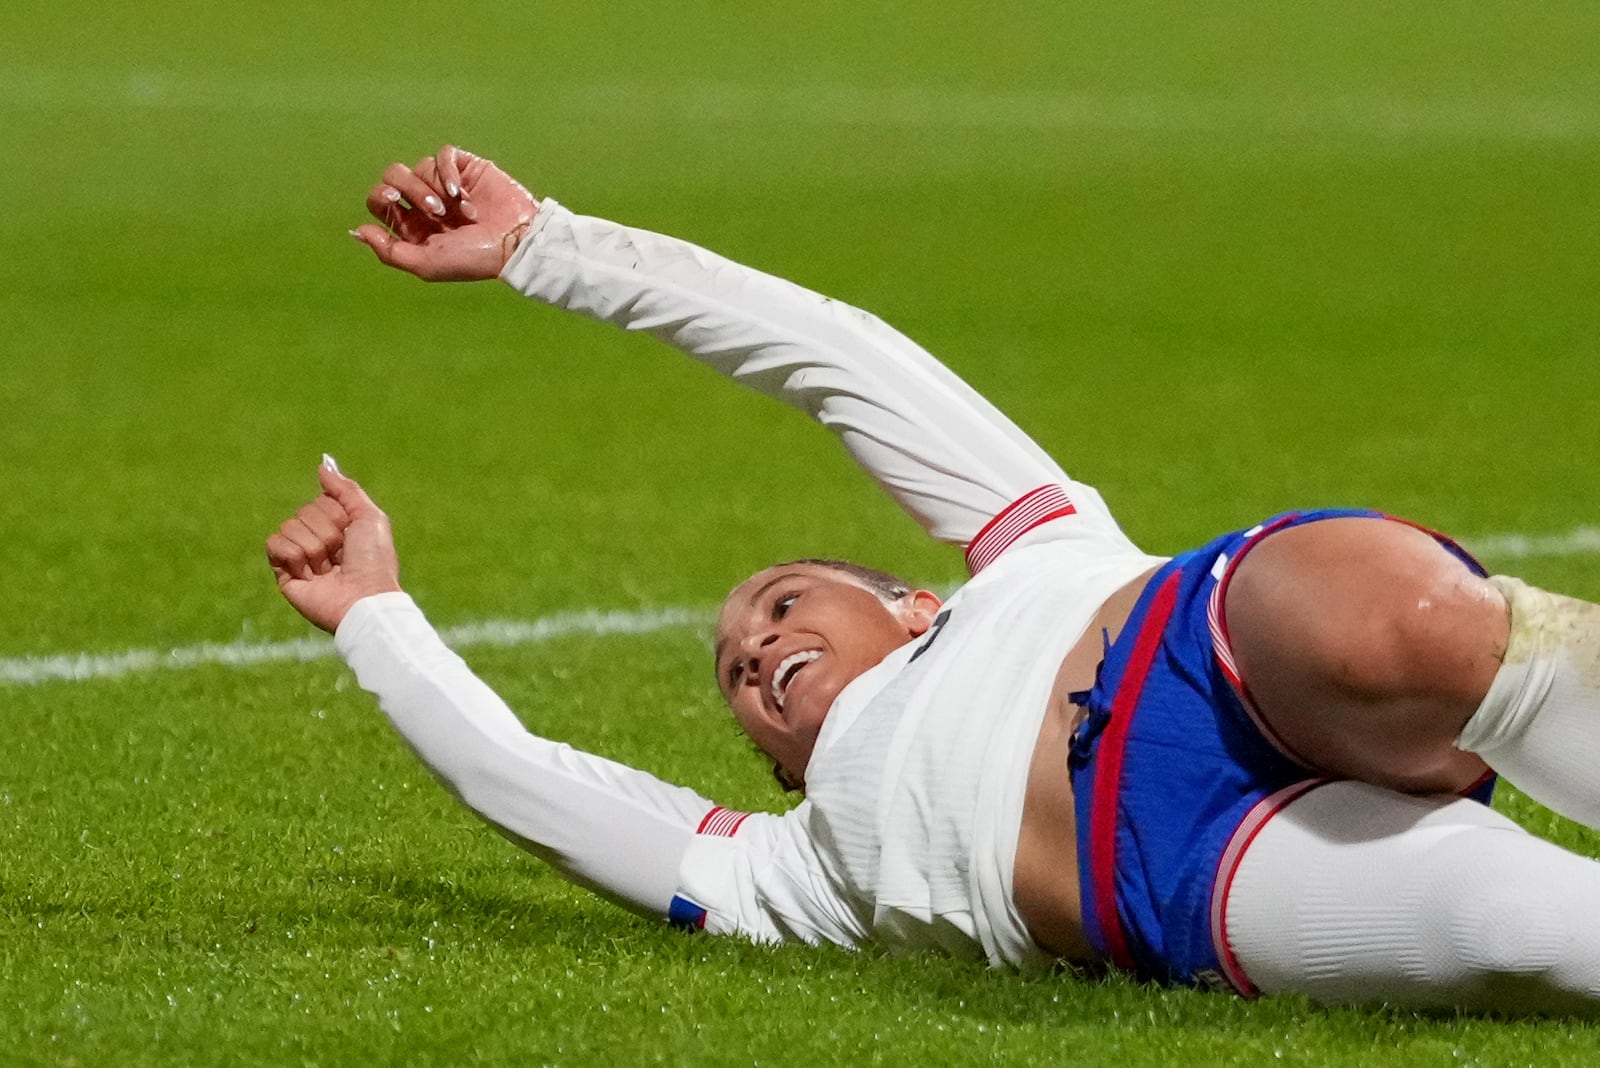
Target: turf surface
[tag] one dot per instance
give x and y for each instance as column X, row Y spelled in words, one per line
column 1220, row 259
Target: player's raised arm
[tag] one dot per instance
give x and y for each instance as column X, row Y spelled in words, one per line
column 959, row 466
column 636, row 840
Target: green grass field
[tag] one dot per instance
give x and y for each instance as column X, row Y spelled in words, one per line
column 1220, row 259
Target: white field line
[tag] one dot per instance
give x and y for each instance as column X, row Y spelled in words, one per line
column 1572, row 116
column 84, row 667
column 1580, row 541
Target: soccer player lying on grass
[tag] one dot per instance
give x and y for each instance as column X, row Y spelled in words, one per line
column 1258, row 765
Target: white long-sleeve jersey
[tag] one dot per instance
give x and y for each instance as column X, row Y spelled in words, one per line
column 908, row 833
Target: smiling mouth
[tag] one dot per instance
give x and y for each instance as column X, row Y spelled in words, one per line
column 787, row 670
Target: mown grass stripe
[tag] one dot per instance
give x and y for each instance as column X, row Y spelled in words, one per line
column 1453, row 116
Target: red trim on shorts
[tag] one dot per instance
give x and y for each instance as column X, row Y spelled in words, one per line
column 1443, row 539
column 1222, row 644
column 721, row 822
column 1228, row 866
column 1033, row 508
column 1108, row 779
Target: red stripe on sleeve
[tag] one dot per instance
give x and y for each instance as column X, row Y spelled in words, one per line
column 721, row 822
column 1017, row 518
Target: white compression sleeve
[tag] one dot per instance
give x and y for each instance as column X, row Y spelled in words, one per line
column 943, row 452
column 1539, row 725
column 619, row 831
column 1356, row 894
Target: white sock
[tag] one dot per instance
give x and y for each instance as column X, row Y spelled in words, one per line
column 1356, row 894
column 1539, row 724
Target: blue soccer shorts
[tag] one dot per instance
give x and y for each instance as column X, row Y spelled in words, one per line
column 1173, row 773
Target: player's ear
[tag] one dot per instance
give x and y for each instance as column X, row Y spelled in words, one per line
column 917, row 610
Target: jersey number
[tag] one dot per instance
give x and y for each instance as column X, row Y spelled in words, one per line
column 933, row 634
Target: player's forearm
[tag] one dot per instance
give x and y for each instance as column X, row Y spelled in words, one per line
column 614, row 829
column 944, row 453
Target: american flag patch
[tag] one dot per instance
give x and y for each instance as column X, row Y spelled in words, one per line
column 1020, row 516
column 721, row 822
column 685, row 914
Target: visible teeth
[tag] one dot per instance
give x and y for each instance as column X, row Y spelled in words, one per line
column 786, row 672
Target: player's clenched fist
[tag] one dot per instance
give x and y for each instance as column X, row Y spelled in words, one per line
column 453, row 217
column 334, row 551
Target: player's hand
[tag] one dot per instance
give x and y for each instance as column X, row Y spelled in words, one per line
column 454, row 217
column 334, row 551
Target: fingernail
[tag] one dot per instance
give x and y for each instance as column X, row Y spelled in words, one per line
column 356, row 234
column 453, row 188
column 435, row 205
column 330, row 464
column 392, row 195
column 469, row 212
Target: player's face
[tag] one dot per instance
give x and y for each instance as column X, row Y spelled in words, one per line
column 791, row 637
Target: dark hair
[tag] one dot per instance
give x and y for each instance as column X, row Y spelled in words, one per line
column 882, row 583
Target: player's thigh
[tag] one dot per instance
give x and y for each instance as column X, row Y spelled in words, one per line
column 1365, row 645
